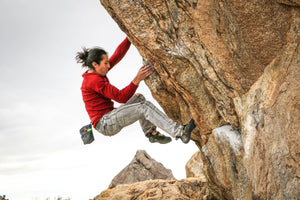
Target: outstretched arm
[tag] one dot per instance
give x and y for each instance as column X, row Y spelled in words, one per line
column 119, row 53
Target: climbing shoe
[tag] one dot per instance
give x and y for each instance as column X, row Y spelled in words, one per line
column 156, row 136
column 185, row 134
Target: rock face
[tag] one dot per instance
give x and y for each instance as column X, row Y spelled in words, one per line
column 223, row 166
column 270, row 127
column 192, row 188
column 194, row 167
column 230, row 64
column 142, row 168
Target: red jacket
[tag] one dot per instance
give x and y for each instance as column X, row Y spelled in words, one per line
column 98, row 93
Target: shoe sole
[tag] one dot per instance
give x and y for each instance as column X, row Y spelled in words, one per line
column 160, row 141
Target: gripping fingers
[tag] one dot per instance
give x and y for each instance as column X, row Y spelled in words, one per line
column 148, row 70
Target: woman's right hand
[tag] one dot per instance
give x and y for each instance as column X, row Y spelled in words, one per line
column 143, row 73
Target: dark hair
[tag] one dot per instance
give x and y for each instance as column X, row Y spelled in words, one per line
column 88, row 56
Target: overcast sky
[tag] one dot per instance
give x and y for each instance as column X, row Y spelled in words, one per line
column 41, row 108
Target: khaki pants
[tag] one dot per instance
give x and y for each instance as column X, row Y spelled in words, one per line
column 137, row 109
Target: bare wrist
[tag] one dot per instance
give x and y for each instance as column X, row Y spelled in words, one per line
column 136, row 82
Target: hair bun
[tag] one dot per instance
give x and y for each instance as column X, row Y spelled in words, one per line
column 81, row 57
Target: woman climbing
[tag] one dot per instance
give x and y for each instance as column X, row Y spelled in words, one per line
column 98, row 93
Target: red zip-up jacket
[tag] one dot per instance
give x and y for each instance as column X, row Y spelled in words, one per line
column 98, row 93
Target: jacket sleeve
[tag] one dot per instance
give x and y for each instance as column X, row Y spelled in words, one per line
column 119, row 53
column 111, row 92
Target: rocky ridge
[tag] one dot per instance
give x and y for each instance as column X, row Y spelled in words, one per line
column 141, row 168
column 191, row 188
column 145, row 178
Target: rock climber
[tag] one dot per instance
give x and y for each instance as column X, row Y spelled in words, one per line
column 98, row 95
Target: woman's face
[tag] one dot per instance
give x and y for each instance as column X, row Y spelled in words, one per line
column 103, row 67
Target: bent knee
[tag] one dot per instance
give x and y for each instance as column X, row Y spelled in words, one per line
column 148, row 103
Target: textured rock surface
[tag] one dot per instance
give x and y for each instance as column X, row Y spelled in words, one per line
column 192, row 188
column 194, row 167
column 227, row 62
column 223, row 155
column 141, row 168
column 205, row 52
column 290, row 2
column 270, row 116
